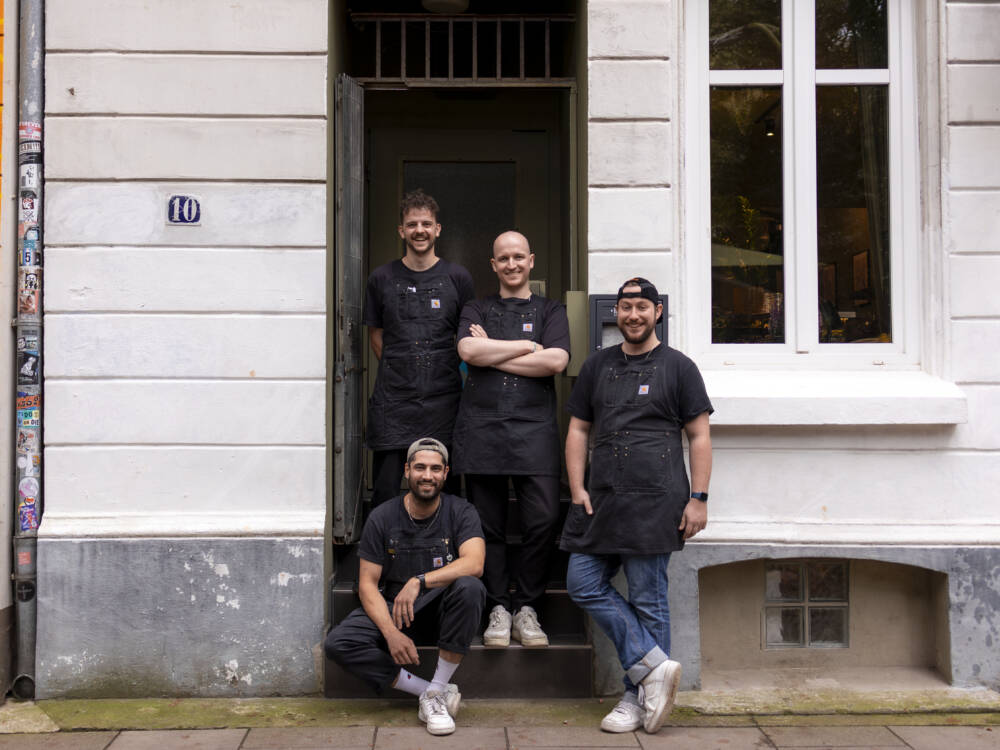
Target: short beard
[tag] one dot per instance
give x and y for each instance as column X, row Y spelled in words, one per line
column 419, row 499
column 642, row 338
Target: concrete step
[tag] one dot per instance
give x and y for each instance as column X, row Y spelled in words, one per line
column 563, row 670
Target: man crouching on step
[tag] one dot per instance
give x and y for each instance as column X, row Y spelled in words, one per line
column 421, row 557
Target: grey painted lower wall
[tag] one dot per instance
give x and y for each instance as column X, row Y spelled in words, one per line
column 973, row 610
column 179, row 617
column 6, row 647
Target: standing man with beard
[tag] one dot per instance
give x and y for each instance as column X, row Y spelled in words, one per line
column 412, row 307
column 632, row 401
column 421, row 557
column 514, row 343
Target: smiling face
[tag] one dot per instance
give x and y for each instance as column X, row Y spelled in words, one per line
column 419, row 231
column 425, row 475
column 512, row 262
column 636, row 317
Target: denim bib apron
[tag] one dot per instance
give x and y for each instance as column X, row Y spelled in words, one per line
column 638, row 482
column 507, row 423
column 418, row 385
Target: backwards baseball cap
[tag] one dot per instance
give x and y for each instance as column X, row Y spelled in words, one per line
column 427, row 444
column 646, row 289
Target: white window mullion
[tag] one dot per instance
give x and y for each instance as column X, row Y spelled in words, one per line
column 800, row 197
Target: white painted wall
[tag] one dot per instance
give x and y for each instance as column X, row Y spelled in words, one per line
column 185, row 366
column 922, row 464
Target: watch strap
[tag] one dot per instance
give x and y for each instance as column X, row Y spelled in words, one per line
column 703, row 496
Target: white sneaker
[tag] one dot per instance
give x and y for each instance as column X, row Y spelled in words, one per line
column 659, row 689
column 497, row 633
column 452, row 699
column 433, row 712
column 527, row 630
column 625, row 717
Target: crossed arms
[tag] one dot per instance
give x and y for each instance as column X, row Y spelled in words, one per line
column 518, row 357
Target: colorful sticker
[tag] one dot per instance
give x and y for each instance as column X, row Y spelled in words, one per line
column 435, row 303
column 29, row 464
column 27, row 440
column 28, row 130
column 27, row 518
column 437, row 562
column 29, row 410
column 24, row 557
column 528, row 327
column 27, row 368
column 29, row 176
column 643, row 390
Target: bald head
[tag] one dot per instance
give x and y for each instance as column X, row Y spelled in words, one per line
column 510, row 239
column 512, row 262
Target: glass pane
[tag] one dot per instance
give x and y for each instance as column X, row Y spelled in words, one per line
column 747, row 249
column 784, row 582
column 827, row 581
column 783, row 626
column 744, row 34
column 852, row 196
column 828, row 626
column 851, row 34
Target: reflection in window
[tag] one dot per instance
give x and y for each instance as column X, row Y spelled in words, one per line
column 851, row 34
column 747, row 250
column 744, row 34
column 852, row 201
column 820, row 621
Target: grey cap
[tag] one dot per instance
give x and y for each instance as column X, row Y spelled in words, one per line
column 427, row 444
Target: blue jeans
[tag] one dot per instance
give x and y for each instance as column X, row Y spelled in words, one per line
column 640, row 626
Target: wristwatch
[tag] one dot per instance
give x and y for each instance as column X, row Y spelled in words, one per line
column 703, row 496
column 423, row 582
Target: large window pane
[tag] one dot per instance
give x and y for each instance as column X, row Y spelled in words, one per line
column 744, row 34
column 828, row 626
column 747, row 247
column 783, row 626
column 784, row 582
column 852, row 196
column 851, row 34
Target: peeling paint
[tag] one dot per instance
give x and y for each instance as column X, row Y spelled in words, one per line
column 283, row 578
column 222, row 570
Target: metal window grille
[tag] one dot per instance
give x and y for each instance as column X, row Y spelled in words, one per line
column 463, row 50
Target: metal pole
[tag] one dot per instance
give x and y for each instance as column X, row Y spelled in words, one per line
column 29, row 340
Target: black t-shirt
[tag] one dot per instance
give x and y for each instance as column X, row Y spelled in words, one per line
column 555, row 324
column 403, row 548
column 380, row 282
column 681, row 398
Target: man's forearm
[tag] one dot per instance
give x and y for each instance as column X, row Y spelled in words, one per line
column 376, row 608
column 539, row 364
column 576, row 458
column 463, row 566
column 700, row 458
column 483, row 352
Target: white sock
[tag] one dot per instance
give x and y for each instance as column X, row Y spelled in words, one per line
column 410, row 683
column 442, row 675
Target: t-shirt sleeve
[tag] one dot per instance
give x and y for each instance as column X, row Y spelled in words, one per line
column 467, row 525
column 472, row 313
column 580, row 403
column 371, row 546
column 555, row 332
column 373, row 303
column 463, row 283
column 692, row 397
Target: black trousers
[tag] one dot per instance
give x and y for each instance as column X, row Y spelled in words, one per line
column 450, row 616
column 387, row 476
column 538, row 501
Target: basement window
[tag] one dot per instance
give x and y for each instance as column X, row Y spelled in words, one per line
column 805, row 604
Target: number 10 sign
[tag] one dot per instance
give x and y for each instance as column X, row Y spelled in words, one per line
column 183, row 210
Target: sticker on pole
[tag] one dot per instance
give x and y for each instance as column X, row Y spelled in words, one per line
column 183, row 211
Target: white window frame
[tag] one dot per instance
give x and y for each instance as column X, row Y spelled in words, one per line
column 802, row 348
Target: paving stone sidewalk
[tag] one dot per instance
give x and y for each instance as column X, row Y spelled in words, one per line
column 510, row 738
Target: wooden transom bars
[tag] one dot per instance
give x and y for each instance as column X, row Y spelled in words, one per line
column 463, row 50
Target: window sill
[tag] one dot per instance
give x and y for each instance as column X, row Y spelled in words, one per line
column 763, row 397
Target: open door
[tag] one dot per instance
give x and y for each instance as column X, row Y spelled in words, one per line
column 348, row 384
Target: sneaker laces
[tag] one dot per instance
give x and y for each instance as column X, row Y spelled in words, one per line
column 528, row 617
column 622, row 708
column 496, row 616
column 436, row 704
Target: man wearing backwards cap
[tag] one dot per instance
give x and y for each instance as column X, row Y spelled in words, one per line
column 634, row 400
column 421, row 557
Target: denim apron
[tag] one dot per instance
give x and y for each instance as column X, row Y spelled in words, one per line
column 418, row 385
column 638, row 483
column 507, row 423
column 411, row 549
